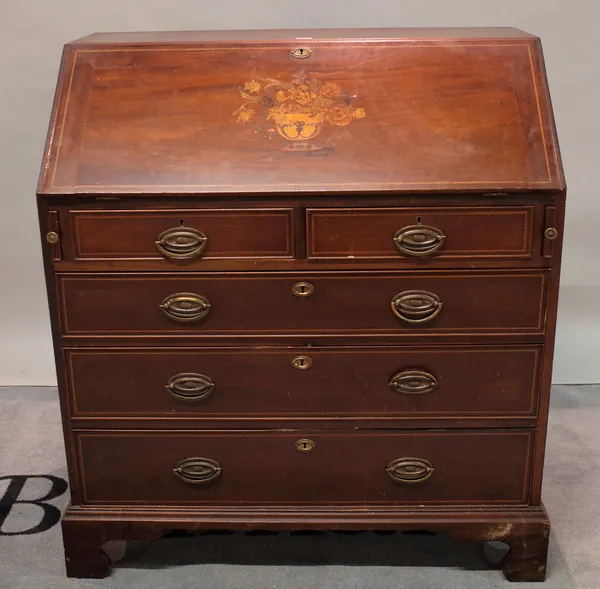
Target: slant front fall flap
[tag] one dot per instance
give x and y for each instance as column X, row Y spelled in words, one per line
column 302, row 115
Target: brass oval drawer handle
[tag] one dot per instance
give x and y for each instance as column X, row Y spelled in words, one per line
column 190, row 386
column 303, row 289
column 419, row 240
column 413, row 382
column 181, row 243
column 198, row 471
column 409, row 470
column 185, row 306
column 416, row 306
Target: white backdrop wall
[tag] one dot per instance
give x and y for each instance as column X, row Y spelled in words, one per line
column 32, row 33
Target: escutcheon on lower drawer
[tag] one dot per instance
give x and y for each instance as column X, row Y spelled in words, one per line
column 350, row 303
column 305, row 382
column 304, row 467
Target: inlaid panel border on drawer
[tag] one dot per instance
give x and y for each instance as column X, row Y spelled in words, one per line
column 330, row 311
column 246, row 438
column 150, row 386
column 259, row 233
column 349, row 226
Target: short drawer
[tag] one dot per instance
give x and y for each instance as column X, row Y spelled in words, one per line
column 305, row 467
column 177, row 235
column 290, row 383
column 410, row 234
column 283, row 304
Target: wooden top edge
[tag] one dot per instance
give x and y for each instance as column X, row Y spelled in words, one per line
column 556, row 189
column 398, row 34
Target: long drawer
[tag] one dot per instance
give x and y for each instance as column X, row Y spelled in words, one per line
column 350, row 303
column 305, row 467
column 304, row 382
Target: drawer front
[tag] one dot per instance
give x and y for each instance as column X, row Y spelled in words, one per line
column 336, row 383
column 415, row 234
column 344, row 303
column 474, row 467
column 182, row 234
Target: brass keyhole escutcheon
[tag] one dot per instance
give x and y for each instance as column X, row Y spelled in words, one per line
column 303, row 289
column 304, row 445
column 302, row 362
column 551, row 233
column 52, row 237
column 301, row 52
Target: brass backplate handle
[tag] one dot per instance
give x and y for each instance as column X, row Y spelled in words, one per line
column 409, row 470
column 185, row 307
column 197, row 471
column 419, row 240
column 413, row 382
column 181, row 243
column 190, row 386
column 416, row 306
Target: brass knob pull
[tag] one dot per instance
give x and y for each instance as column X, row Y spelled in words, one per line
column 413, row 382
column 185, row 307
column 303, row 289
column 198, row 471
column 302, row 362
column 181, row 243
column 416, row 306
column 409, row 470
column 190, row 386
column 419, row 240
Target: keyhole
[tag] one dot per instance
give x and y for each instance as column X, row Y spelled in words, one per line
column 302, row 362
column 181, row 222
column 418, row 220
column 303, row 289
column 301, row 52
column 304, row 445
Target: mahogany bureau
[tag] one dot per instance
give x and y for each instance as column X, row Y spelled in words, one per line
column 304, row 280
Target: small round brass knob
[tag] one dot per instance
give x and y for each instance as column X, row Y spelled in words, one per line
column 551, row 233
column 52, row 237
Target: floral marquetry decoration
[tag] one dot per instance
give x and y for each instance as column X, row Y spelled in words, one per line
column 298, row 109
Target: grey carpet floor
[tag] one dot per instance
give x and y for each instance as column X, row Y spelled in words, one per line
column 31, row 444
